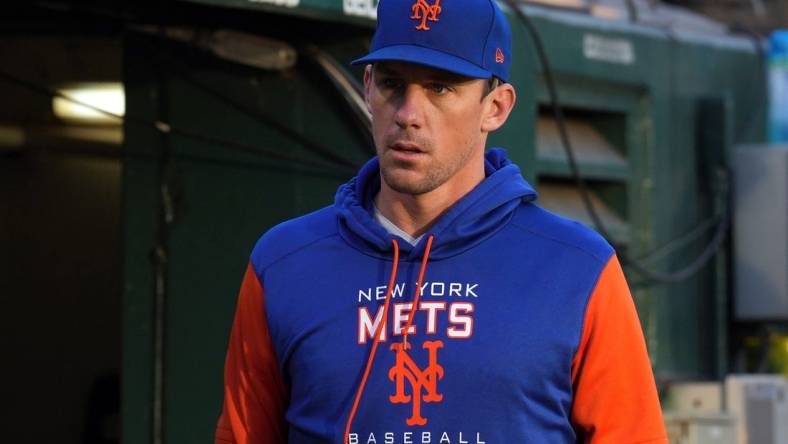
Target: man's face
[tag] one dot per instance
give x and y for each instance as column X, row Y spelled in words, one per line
column 427, row 125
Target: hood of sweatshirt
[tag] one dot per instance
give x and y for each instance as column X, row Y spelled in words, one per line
column 472, row 219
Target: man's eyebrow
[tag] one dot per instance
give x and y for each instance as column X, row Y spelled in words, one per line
column 434, row 76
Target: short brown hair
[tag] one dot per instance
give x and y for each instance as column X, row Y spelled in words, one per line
column 491, row 83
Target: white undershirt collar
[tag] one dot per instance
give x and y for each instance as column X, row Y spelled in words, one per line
column 393, row 229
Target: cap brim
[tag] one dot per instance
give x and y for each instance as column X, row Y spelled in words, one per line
column 427, row 57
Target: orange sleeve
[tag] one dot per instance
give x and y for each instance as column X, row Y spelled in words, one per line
column 615, row 398
column 255, row 396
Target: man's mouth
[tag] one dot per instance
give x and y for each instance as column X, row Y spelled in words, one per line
column 406, row 147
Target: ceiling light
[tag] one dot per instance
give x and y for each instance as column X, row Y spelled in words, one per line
column 107, row 96
column 238, row 47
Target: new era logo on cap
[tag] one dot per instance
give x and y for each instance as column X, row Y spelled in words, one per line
column 466, row 37
column 499, row 57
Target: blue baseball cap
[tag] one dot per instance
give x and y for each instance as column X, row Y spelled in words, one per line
column 467, row 37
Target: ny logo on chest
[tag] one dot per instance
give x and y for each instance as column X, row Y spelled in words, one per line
column 405, row 369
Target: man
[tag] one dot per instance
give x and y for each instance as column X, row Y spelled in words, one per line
column 435, row 302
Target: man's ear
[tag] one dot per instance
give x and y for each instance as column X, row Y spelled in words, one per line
column 367, row 85
column 498, row 105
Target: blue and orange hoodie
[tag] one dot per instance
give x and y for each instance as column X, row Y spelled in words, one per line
column 505, row 324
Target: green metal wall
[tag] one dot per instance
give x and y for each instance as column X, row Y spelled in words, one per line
column 225, row 199
column 678, row 86
column 682, row 100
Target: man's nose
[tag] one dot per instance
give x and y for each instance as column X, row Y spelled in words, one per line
column 410, row 107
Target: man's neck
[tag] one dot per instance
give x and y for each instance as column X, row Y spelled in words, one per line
column 415, row 214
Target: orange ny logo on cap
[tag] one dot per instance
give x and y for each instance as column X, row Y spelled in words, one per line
column 424, row 11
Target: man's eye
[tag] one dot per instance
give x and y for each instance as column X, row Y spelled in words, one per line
column 439, row 88
column 390, row 83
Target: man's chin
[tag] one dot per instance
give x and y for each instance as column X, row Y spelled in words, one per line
column 410, row 184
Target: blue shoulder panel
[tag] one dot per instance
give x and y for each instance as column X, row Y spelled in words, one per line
column 291, row 236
